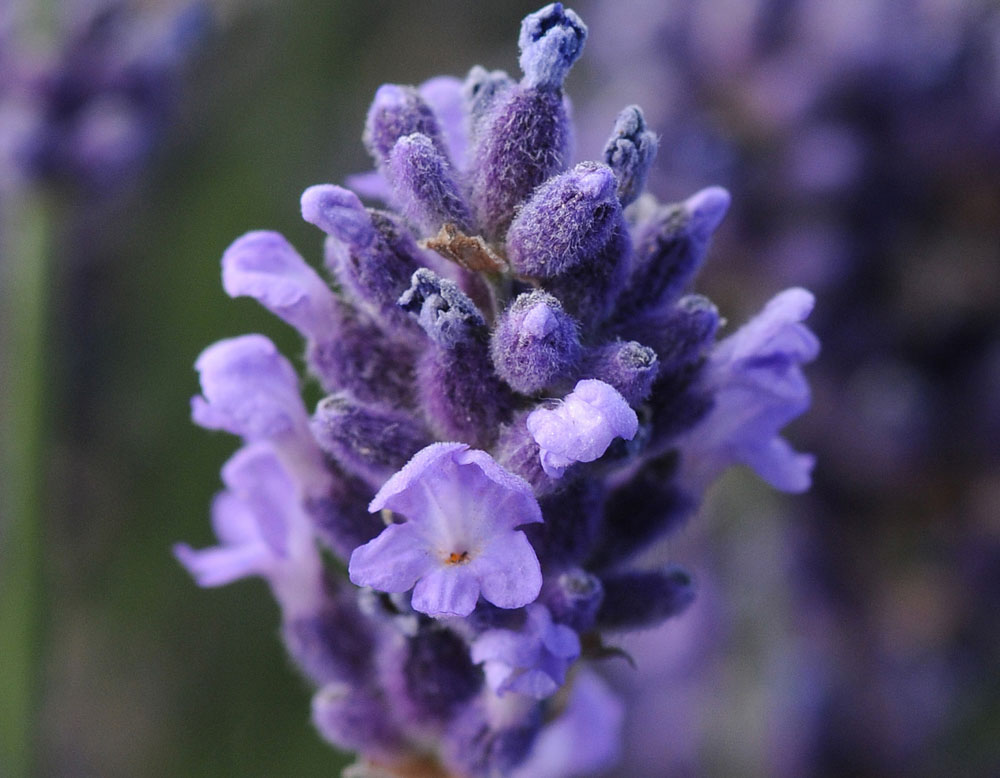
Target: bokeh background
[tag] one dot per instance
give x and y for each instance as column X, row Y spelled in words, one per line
column 852, row 631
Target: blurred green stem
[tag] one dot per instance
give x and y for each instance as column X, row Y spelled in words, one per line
column 22, row 434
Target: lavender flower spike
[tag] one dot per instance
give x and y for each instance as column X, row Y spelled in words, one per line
column 482, row 561
column 759, row 388
column 459, row 539
column 532, row 662
column 582, row 426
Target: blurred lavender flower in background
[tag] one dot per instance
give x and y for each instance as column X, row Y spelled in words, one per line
column 861, row 142
column 523, row 398
column 84, row 103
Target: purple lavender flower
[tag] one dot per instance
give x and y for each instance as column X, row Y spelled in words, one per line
column 503, row 277
column 459, row 537
column 758, row 385
column 263, row 529
column 532, row 661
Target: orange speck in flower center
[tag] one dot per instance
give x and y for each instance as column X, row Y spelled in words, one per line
column 457, row 558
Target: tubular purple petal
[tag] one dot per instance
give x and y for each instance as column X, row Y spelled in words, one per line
column 263, row 265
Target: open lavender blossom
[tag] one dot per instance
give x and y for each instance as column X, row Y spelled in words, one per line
column 459, row 537
column 520, row 384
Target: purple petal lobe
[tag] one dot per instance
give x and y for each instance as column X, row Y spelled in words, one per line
column 446, row 592
column 392, row 562
column 509, row 570
column 263, row 265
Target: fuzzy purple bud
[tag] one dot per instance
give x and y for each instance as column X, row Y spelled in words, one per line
column 461, row 394
column 680, row 334
column 535, row 344
column 357, row 356
column 522, row 140
column 629, row 367
column 637, row 600
column 551, row 40
column 566, row 223
column 582, row 426
column 443, row 310
column 423, row 185
column 630, row 152
column 574, row 598
column 371, row 442
column 398, row 111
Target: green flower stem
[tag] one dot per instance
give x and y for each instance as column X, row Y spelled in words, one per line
column 23, row 431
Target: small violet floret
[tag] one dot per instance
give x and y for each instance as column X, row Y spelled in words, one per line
column 532, row 661
column 459, row 538
column 756, row 377
column 582, row 426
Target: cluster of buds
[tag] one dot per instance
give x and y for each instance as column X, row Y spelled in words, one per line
column 523, row 396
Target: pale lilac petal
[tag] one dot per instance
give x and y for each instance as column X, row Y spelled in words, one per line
column 220, row 565
column 258, row 477
column 780, row 465
column 394, row 492
column 233, row 521
column 459, row 506
column 446, row 591
column 248, row 389
column 523, row 661
column 509, row 571
column 513, row 498
column 582, row 426
column 393, row 561
column 561, row 641
column 263, row 265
